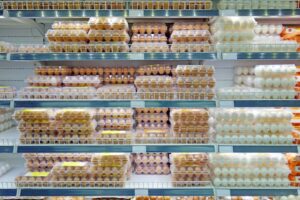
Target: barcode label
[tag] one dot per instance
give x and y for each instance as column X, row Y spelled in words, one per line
column 137, row 104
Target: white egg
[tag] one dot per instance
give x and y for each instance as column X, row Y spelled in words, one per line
column 227, row 139
column 258, row 139
column 225, row 172
column 217, row 171
column 224, row 182
column 271, row 182
column 234, row 139
column 219, row 139
column 250, row 139
column 274, row 139
column 273, row 128
column 239, row 172
column 291, row 197
column 266, row 139
column 247, row 182
column 217, row 182
column 238, row 70
column 234, row 128
column 258, row 71
column 242, row 139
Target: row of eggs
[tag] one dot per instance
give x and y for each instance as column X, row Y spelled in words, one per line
column 257, row 139
column 256, row 128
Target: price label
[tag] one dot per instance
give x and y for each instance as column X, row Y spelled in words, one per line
column 227, row 104
column 37, row 174
column 226, row 149
column 229, row 56
column 141, row 192
column 136, row 13
column 139, row 149
column 137, row 104
column 298, row 148
column 73, row 164
column 223, row 192
column 228, row 13
column 136, row 56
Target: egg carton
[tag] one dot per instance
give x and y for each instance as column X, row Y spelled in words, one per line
column 55, row 139
column 188, row 159
column 272, row 71
column 70, row 25
column 118, row 113
column 186, row 36
column 153, row 136
column 110, row 159
column 114, row 137
column 233, row 36
column 190, row 114
column 5, row 47
column 32, row 181
column 192, row 47
column 268, row 29
column 30, row 48
column 258, row 4
column 116, row 124
column 44, row 81
column 152, row 82
column 91, row 47
column 232, row 24
column 67, row 36
column 108, row 23
column 150, row 158
column 82, row 81
column 116, row 92
column 30, row 115
column 53, row 70
column 156, row 94
column 157, row 69
column 195, row 82
column 118, row 79
column 194, row 71
column 161, row 169
column 108, row 36
column 191, row 170
column 149, row 47
column 57, row 157
column 152, row 118
column 119, row 71
column 149, row 38
column 63, row 5
column 145, row 111
column 88, row 183
column 149, row 28
column 188, row 26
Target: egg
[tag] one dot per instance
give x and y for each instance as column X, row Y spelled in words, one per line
column 217, row 182
column 258, row 139
column 234, row 139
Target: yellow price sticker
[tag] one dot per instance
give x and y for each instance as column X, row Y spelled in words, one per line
column 73, row 164
column 113, row 132
column 37, row 174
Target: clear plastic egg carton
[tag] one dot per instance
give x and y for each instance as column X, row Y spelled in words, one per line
column 195, row 82
column 254, row 93
column 70, row 169
column 171, row 5
column 53, row 70
column 118, row 79
column 116, row 124
column 108, row 36
column 186, row 36
column 30, row 48
column 108, row 23
column 245, row 36
column 277, row 46
column 77, row 115
column 152, row 158
column 188, row 159
column 110, row 159
column 91, row 47
column 34, row 115
column 116, row 92
column 149, row 28
column 189, row 26
column 57, row 93
column 6, row 125
column 70, row 25
column 182, row 115
column 184, row 129
column 82, row 81
column 57, row 157
column 75, row 129
column 152, row 118
column 153, row 82
column 192, row 138
column 55, row 139
column 5, row 47
column 150, row 47
column 153, row 136
column 192, row 47
column 155, row 94
column 7, row 92
column 115, row 113
column 154, row 38
column 268, row 29
column 194, row 71
column 156, row 69
column 190, row 93
column 258, row 4
column 118, row 71
column 67, row 36
column 62, row 5
column 114, row 137
column 44, row 81
column 31, row 180
column 153, row 169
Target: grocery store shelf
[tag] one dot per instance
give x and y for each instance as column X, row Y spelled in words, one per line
column 5, row 103
column 267, row 103
column 148, row 13
column 111, row 56
column 262, row 56
column 237, row 148
column 112, row 103
column 256, row 192
column 108, row 13
column 3, row 56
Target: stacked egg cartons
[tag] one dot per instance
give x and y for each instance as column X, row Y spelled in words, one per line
column 6, row 120
column 49, row 126
column 152, row 198
column 104, row 34
column 294, row 166
column 296, row 125
column 155, row 82
column 262, row 82
column 109, row 34
column 197, row 198
column 195, row 82
column 152, row 126
column 149, row 37
column 190, row 169
column 115, row 125
column 113, row 168
column 118, row 83
column 233, row 34
column 253, row 126
column 5, row 47
column 190, row 37
column 33, row 179
column 7, row 92
column 250, row 170
column 171, row 5
column 191, row 126
column 44, row 162
column 268, row 39
column 151, row 163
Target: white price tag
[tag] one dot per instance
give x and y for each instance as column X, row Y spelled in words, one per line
column 141, row 192
column 139, row 149
column 298, row 148
column 227, row 104
column 229, row 56
column 137, row 104
column 228, row 13
column 136, row 13
column 226, row 149
column 223, row 192
column 298, row 192
column 136, row 56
